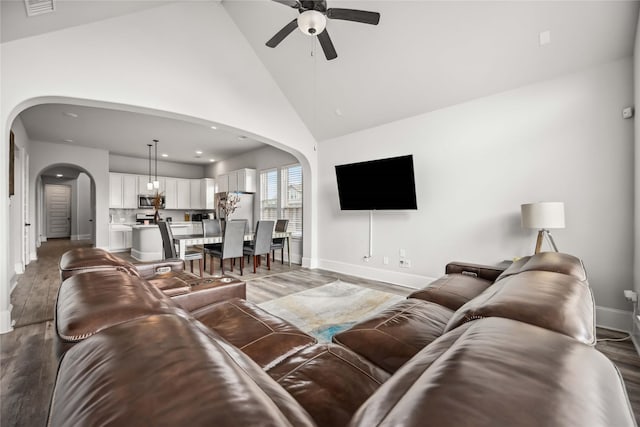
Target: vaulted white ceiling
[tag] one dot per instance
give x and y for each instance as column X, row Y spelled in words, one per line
column 423, row 56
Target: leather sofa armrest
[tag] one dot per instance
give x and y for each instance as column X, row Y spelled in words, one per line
column 205, row 294
column 151, row 269
column 486, row 272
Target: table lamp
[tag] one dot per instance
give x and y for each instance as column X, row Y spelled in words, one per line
column 543, row 216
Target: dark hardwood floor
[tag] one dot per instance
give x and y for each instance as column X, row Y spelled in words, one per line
column 28, row 366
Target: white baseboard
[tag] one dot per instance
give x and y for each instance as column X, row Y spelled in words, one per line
column 81, row 237
column 33, row 256
column 6, row 325
column 13, row 281
column 612, row 318
column 404, row 279
column 309, row 262
column 18, row 268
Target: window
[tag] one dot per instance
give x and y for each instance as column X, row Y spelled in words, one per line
column 281, row 196
column 269, row 195
column 291, row 206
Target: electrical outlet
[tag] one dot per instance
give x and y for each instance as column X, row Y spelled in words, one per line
column 405, row 263
column 385, row 260
column 630, row 295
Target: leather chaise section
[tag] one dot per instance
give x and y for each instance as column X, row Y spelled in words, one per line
column 396, row 334
column 80, row 260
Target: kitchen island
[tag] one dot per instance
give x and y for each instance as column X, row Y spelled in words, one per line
column 146, row 241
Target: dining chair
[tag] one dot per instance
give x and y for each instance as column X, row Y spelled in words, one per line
column 170, row 248
column 278, row 242
column 261, row 243
column 210, row 227
column 231, row 247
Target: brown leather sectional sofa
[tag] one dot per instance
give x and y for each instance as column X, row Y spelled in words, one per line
column 478, row 347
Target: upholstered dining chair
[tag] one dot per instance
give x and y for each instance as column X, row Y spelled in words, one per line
column 170, row 248
column 278, row 242
column 232, row 244
column 210, row 227
column 261, row 243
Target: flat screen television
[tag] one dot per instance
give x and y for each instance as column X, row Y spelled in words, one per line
column 385, row 184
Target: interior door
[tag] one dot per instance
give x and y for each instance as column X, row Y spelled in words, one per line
column 58, row 210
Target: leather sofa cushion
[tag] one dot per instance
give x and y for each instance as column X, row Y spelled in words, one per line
column 171, row 286
column 393, row 336
column 329, row 381
column 81, row 260
column 550, row 300
column 163, row 371
column 500, row 372
column 452, row 290
column 556, row 262
column 90, row 302
column 265, row 338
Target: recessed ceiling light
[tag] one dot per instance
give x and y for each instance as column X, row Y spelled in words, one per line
column 68, row 114
column 68, row 140
column 212, row 160
column 242, row 137
column 59, row 175
column 214, row 127
column 164, row 155
column 198, row 152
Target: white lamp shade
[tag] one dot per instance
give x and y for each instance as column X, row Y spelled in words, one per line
column 543, row 215
column 149, row 185
column 312, row 22
column 156, row 184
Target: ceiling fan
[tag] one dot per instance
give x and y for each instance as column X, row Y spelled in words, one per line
column 313, row 21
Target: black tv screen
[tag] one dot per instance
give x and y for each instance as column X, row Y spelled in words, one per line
column 385, row 184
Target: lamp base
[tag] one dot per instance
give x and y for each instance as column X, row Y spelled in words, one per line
column 541, row 234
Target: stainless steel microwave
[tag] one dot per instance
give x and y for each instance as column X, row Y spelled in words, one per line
column 146, row 202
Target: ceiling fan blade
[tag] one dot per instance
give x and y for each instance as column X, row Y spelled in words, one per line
column 327, row 45
column 284, row 32
column 291, row 3
column 362, row 16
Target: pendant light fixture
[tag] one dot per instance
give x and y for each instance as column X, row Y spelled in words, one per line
column 156, row 183
column 149, row 183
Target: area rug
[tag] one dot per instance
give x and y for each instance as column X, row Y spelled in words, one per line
column 329, row 309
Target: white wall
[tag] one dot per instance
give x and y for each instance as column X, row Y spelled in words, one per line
column 138, row 166
column 96, row 165
column 183, row 60
column 636, row 230
column 475, row 163
column 263, row 158
column 83, row 211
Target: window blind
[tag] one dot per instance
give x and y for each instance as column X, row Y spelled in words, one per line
column 269, row 194
column 291, row 197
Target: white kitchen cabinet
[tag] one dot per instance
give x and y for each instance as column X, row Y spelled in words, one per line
column 115, row 190
column 243, row 180
column 171, row 193
column 207, row 193
column 223, row 183
column 129, row 194
column 142, row 184
column 194, row 194
column 119, row 237
column 184, row 193
column 123, row 191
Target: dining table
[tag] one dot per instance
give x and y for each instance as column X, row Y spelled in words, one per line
column 200, row 239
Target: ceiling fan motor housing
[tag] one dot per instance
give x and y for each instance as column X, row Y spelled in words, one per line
column 312, row 22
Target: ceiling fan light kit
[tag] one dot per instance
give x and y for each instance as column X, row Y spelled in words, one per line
column 312, row 21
